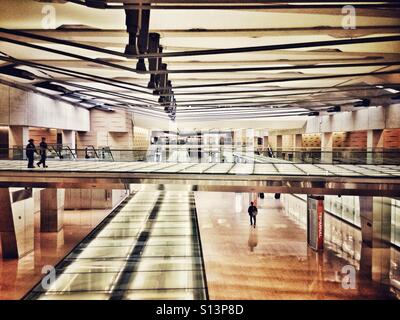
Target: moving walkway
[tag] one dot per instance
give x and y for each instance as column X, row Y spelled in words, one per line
column 147, row 248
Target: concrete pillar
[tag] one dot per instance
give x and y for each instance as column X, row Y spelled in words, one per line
column 326, row 147
column 278, row 143
column 298, row 141
column 374, row 144
column 265, row 142
column 298, row 145
column 375, row 213
column 18, row 136
column 51, row 210
column 16, row 222
column 250, row 146
column 68, row 137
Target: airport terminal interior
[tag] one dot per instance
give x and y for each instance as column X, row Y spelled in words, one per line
column 135, row 135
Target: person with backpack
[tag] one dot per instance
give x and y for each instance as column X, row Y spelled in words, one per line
column 30, row 151
column 253, row 214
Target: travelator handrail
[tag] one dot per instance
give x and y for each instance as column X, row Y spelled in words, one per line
column 56, row 148
column 103, row 150
column 94, row 151
column 70, row 150
column 219, row 154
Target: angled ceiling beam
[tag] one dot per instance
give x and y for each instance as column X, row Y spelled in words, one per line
column 83, row 34
column 299, row 45
column 367, row 74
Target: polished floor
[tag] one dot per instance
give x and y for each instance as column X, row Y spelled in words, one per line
column 272, row 261
column 17, row 277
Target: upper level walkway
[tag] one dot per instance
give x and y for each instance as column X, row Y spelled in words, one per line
column 275, row 176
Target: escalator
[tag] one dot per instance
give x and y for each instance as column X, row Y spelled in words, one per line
column 147, row 248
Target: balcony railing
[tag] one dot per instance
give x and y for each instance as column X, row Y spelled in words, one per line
column 213, row 154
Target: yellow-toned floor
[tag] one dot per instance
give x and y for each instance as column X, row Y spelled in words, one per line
column 271, row 261
column 17, row 277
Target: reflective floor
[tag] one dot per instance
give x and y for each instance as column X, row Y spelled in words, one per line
column 148, row 248
column 272, row 261
column 17, row 277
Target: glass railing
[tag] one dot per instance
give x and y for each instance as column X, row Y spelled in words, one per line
column 214, row 154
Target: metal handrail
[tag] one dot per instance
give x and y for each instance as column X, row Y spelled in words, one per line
column 94, row 150
column 220, row 154
column 70, row 150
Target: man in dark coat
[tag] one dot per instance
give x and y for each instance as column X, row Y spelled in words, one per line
column 43, row 153
column 252, row 213
column 30, row 151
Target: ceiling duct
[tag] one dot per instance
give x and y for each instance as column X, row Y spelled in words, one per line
column 52, row 87
column 334, row 109
column 154, row 63
column 137, row 24
column 363, row 103
column 11, row 70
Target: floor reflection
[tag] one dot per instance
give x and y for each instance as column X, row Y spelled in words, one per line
column 280, row 265
column 17, row 277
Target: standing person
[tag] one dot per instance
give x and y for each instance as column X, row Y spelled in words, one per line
column 30, row 150
column 252, row 213
column 43, row 153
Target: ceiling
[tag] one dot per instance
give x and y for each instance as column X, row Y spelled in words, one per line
column 287, row 59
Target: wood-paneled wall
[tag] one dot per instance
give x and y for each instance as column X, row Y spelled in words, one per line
column 80, row 199
column 354, row 139
column 391, row 138
column 141, row 138
column 311, row 140
column 288, row 142
column 38, row 133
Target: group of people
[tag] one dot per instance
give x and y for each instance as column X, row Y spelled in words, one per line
column 31, row 150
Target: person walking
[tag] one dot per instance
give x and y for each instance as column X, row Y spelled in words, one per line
column 30, row 150
column 43, row 153
column 252, row 213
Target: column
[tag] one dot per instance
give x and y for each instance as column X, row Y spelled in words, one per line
column 326, row 147
column 374, row 146
column 315, row 221
column 16, row 222
column 51, row 210
column 18, row 137
column 298, row 147
column 250, row 146
column 375, row 213
column 68, row 138
column 279, row 146
column 279, row 143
